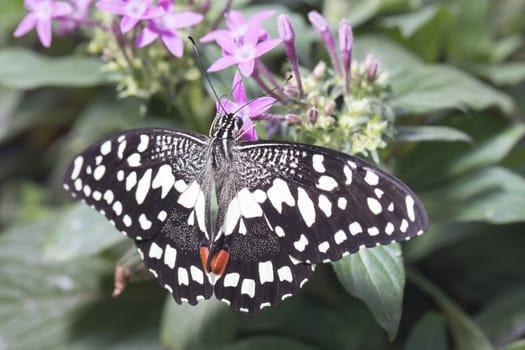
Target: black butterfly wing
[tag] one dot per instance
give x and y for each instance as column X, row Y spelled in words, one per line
column 323, row 204
column 288, row 206
column 149, row 184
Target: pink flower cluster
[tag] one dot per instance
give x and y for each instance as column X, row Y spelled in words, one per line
column 243, row 42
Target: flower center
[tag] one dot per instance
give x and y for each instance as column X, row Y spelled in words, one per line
column 43, row 10
column 238, row 32
column 135, row 9
column 165, row 23
column 245, row 53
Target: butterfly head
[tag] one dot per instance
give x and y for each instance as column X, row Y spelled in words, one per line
column 227, row 126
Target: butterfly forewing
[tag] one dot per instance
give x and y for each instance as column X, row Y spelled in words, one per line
column 149, row 183
column 323, row 204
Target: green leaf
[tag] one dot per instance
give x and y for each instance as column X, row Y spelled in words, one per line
column 82, row 231
column 518, row 345
column 429, row 333
column 410, row 22
column 9, row 100
column 489, row 151
column 508, row 73
column 266, row 342
column 423, row 88
column 377, row 277
column 430, row 133
column 40, row 300
column 208, row 323
column 23, row 69
column 503, row 318
column 491, row 194
column 430, row 88
column 466, row 333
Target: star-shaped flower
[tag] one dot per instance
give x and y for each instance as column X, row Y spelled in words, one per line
column 40, row 16
column 243, row 54
column 244, row 108
column 133, row 11
column 238, row 26
column 166, row 27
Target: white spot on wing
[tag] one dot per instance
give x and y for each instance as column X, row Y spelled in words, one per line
column 259, row 196
column 99, row 172
column 355, row 228
column 285, row 274
column 279, row 193
column 117, row 208
column 196, row 274
column 155, row 251
column 301, row 244
column 326, row 183
column 409, row 201
column 404, row 226
column 131, row 180
column 348, row 175
column 325, row 205
column 164, row 179
column 306, row 207
column 121, row 149
column 134, row 160
column 231, row 279
column 145, row 224
column 143, row 145
column 188, row 198
column 182, row 275
column 143, row 187
column 389, row 228
column 162, row 215
column 340, row 237
column 371, row 178
column 126, row 220
column 265, row 271
column 374, row 205
column 317, row 162
column 170, row 256
column 323, row 247
column 77, row 166
column 105, row 148
column 248, row 287
column 341, row 203
column 373, row 231
column 279, row 231
column 233, row 214
column 248, row 205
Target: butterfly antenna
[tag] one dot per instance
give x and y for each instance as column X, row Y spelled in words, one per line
column 205, row 74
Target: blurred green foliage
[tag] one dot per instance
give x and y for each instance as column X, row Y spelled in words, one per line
column 457, row 72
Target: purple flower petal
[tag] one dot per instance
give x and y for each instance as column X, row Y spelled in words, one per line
column 116, row 7
column 166, row 5
column 31, row 5
column 247, row 67
column 43, row 28
column 262, row 16
column 225, row 106
column 27, row 23
column 211, row 36
column 127, row 23
column 226, row 43
column 238, row 93
column 186, row 19
column 266, row 46
column 260, row 105
column 60, row 9
column 248, row 131
column 174, row 44
column 318, row 21
column 146, row 37
column 222, row 63
column 153, row 12
column 234, row 19
column 252, row 34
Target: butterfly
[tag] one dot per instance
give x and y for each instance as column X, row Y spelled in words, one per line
column 283, row 207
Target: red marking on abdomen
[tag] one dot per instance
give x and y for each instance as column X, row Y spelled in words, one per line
column 205, row 252
column 219, row 261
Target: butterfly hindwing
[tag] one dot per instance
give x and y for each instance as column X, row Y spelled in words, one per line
column 323, row 204
column 259, row 272
column 149, row 184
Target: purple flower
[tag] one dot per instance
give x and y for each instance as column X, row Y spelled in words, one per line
column 321, row 25
column 243, row 54
column 287, row 34
column 132, row 11
column 244, row 108
column 238, row 26
column 346, row 40
column 78, row 15
column 166, row 27
column 40, row 16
